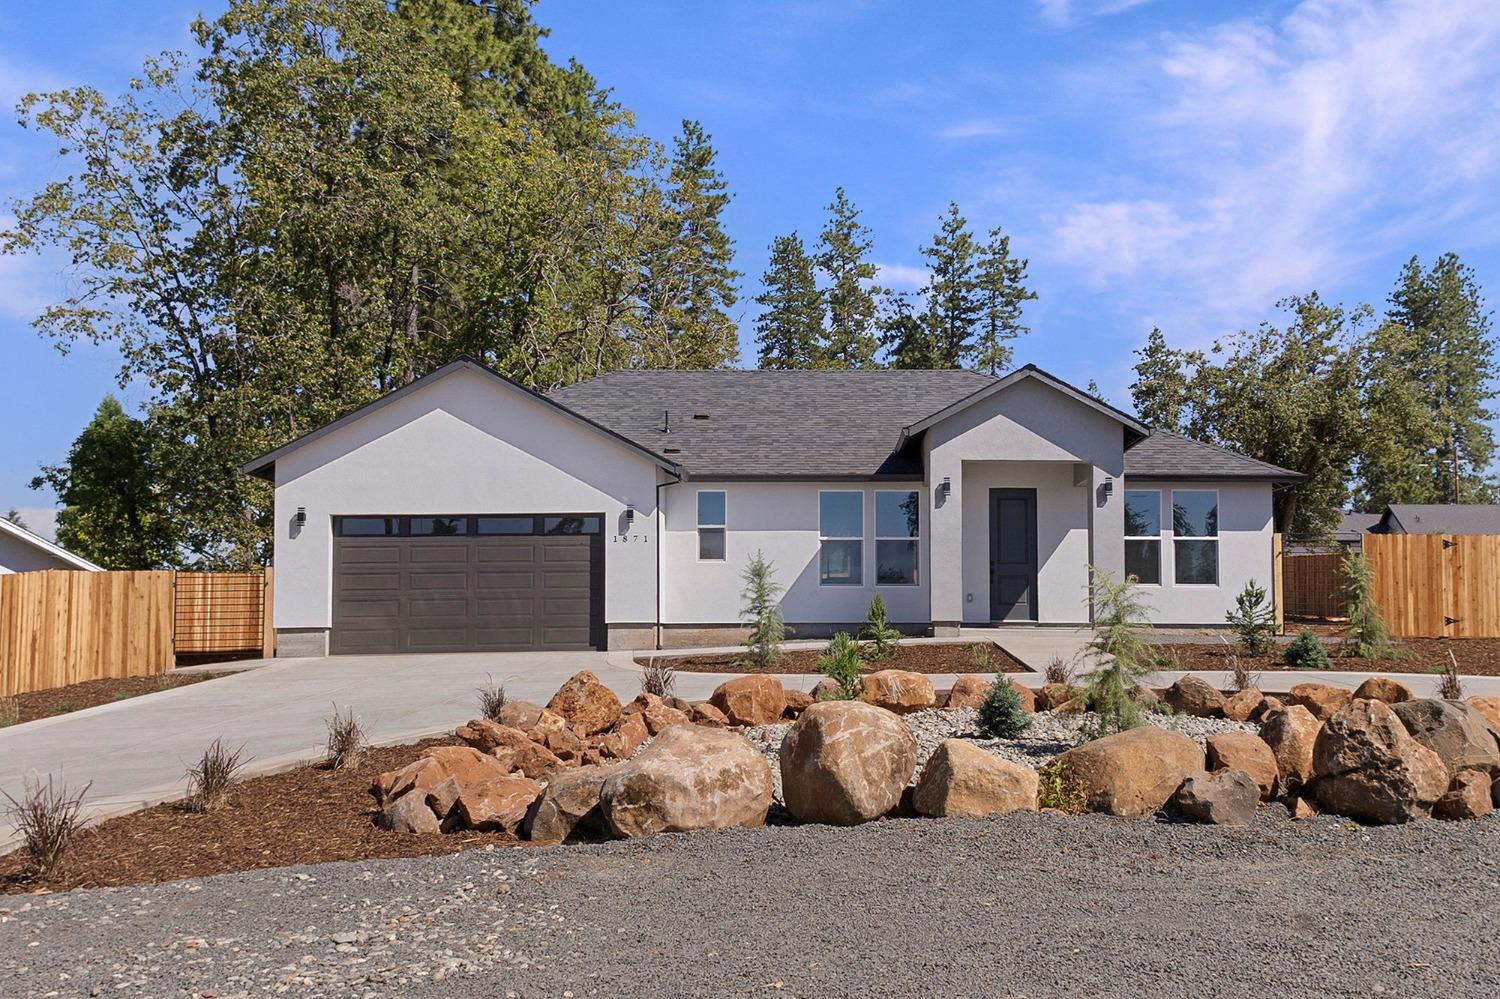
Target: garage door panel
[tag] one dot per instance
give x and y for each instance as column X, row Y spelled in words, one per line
column 417, row 581
column 379, row 608
column 453, row 552
column 507, row 551
column 505, row 581
column 558, row 550
column 370, row 553
column 377, row 583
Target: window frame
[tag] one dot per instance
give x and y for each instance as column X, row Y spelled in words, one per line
column 723, row 528
column 1215, row 538
column 915, row 539
column 1161, row 576
column 842, row 537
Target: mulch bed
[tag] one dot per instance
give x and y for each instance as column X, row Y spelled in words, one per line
column 923, row 658
column 1476, row 656
column 304, row 816
column 92, row 693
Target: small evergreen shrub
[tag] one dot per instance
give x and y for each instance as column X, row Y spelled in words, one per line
column 1366, row 637
column 882, row 638
column 841, row 664
column 1119, row 643
column 761, row 611
column 1253, row 620
column 1001, row 715
column 1306, row 651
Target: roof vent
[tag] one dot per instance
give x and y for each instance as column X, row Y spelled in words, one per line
column 671, row 450
column 700, row 416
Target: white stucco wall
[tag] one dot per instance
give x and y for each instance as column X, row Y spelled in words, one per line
column 466, row 443
column 1245, row 530
column 781, row 519
column 18, row 556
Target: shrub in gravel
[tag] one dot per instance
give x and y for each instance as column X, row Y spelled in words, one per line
column 210, row 781
column 491, row 698
column 1253, row 620
column 346, row 739
column 841, row 664
column 883, row 639
column 1306, row 651
column 47, row 819
column 1119, row 642
column 1001, row 716
column 658, row 677
column 1058, row 788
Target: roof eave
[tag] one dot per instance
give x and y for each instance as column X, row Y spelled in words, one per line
column 51, row 548
column 1131, row 424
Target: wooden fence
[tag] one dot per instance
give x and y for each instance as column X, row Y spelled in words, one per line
column 59, row 627
column 1313, row 585
column 1437, row 585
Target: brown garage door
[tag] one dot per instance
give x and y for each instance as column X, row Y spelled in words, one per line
column 399, row 586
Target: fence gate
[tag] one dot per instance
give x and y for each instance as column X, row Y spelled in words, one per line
column 221, row 611
column 1437, row 585
column 1314, row 585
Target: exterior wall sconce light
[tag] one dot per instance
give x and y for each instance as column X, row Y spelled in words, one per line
column 944, row 488
column 301, row 519
column 629, row 514
column 1108, row 488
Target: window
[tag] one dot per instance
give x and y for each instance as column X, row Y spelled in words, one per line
column 711, row 525
column 1195, row 536
column 897, row 534
column 841, row 533
column 507, row 525
column 1143, row 535
column 570, row 525
column 368, row 527
column 443, row 527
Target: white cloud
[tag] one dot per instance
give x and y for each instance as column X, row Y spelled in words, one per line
column 977, row 128
column 902, row 277
column 1276, row 157
column 1063, row 12
column 39, row 520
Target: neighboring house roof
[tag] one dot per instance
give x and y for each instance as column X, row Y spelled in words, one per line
column 1352, row 527
column 1440, row 518
column 265, row 466
column 41, row 544
column 1165, row 455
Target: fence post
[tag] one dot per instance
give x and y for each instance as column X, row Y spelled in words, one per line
column 1277, row 587
column 268, row 626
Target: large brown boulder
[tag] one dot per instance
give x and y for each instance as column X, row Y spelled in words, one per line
column 569, row 807
column 1054, row 695
column 750, row 700
column 1379, row 688
column 513, row 748
column 563, row 743
column 969, row 691
column 530, row 718
column 1467, row 797
column 409, row 814
column 1222, row 798
column 689, row 777
column 464, row 764
column 657, row 713
column 1490, row 708
column 704, row 713
column 588, row 706
column 1243, row 705
column 797, row 701
column 1291, row 732
column 1319, row 698
column 496, row 805
column 1194, row 696
column 628, row 734
column 1458, row 732
column 1246, row 752
column 1368, row 767
column 846, row 762
column 1134, row 772
column 898, row 690
column 962, row 779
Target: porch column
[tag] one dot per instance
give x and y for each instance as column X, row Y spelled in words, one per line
column 1107, row 523
column 945, row 586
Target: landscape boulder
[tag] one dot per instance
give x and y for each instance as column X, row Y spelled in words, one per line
column 1222, row 798
column 1134, row 772
column 496, row 805
column 898, row 690
column 797, row 701
column 1194, row 696
column 1367, row 766
column 628, row 734
column 1247, row 752
column 969, row 691
column 464, row 764
column 1379, row 688
column 1467, row 797
column 1291, row 732
column 1268, row 703
column 530, row 718
column 1319, row 698
column 962, row 779
column 689, row 777
column 704, row 713
column 1490, row 708
column 409, row 814
column 568, row 807
column 750, row 700
column 563, row 743
column 1243, row 705
column 846, row 762
column 1054, row 695
column 656, row 713
column 588, row 706
column 1457, row 731
column 514, row 749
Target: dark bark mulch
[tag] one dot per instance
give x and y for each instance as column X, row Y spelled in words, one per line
column 1476, row 656
column 308, row 815
column 923, row 658
column 92, row 693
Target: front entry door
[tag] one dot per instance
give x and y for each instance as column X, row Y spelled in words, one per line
column 1013, row 555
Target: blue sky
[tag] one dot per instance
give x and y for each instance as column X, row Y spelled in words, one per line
column 1181, row 163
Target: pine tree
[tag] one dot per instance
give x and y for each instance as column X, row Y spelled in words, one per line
column 955, row 303
column 790, row 326
column 906, row 339
column 1003, row 290
column 1163, row 379
column 843, row 257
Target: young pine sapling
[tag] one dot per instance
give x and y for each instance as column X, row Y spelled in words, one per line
column 1253, row 620
column 878, row 632
column 841, row 665
column 761, row 611
column 1122, row 651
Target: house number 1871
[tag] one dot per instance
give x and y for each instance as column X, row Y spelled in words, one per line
column 627, row 538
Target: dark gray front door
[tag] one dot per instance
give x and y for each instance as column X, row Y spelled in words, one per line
column 465, row 594
column 1013, row 555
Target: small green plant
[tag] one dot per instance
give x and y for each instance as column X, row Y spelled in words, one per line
column 979, row 657
column 47, row 818
column 761, row 611
column 1253, row 620
column 1366, row 636
column 840, row 663
column 1306, row 651
column 1058, row 788
column 882, row 638
column 64, row 708
column 1121, row 648
column 491, row 698
column 658, row 677
column 346, row 739
column 210, row 782
column 1001, row 715
column 10, row 711
column 1061, row 672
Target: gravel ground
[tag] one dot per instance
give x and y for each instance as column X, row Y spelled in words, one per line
column 1024, row 905
column 1048, row 735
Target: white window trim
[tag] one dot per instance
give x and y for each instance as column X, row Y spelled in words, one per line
column 699, row 527
column 842, row 537
column 917, row 569
column 1218, row 548
column 1161, row 575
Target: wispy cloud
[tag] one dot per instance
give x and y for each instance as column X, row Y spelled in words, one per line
column 1066, row 12
column 975, row 128
column 902, row 277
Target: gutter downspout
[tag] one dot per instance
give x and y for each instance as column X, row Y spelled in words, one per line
column 661, row 522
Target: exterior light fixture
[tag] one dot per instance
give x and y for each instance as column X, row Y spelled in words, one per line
column 945, row 488
column 629, row 514
column 1108, row 488
column 301, row 519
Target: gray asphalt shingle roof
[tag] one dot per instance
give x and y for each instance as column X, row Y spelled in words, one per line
column 727, row 424
column 1441, row 518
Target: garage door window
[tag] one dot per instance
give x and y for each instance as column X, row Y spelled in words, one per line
column 369, row 527
column 507, row 525
column 570, row 525
column 439, row 527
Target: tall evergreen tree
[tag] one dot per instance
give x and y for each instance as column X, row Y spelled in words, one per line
column 843, row 257
column 955, row 302
column 1002, row 287
column 1161, row 391
column 790, row 326
column 904, row 336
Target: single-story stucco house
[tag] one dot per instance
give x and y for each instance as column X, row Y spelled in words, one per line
column 23, row 551
column 466, row 512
